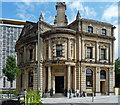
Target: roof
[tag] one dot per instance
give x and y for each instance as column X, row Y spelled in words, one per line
column 11, row 21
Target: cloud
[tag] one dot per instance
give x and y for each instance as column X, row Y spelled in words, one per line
column 90, row 12
column 24, row 11
column 85, row 11
column 50, row 19
column 76, row 5
column 110, row 12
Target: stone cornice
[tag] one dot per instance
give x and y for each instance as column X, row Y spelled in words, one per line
column 58, row 30
column 95, row 35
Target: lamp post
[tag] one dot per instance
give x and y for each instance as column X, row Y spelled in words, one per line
column 38, row 55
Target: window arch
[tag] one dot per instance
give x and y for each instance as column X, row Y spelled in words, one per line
column 30, row 78
column 102, row 74
column 89, row 78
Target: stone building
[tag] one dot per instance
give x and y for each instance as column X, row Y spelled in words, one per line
column 79, row 55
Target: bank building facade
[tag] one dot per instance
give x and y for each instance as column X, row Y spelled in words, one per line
column 79, row 55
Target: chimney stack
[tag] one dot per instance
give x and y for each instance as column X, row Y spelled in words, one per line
column 60, row 18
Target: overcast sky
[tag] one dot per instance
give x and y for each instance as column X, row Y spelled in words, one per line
column 30, row 11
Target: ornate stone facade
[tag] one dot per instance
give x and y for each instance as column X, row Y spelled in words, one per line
column 78, row 56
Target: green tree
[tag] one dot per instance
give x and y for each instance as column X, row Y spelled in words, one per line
column 117, row 72
column 11, row 70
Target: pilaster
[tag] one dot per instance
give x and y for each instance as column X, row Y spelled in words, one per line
column 111, row 81
column 69, row 75
column 25, row 54
column 83, row 50
column 69, row 49
column 79, row 48
column 49, row 49
column 110, row 52
column 98, row 81
column 75, row 49
column 49, row 78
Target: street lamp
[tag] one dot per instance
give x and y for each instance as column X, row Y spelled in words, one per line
column 38, row 54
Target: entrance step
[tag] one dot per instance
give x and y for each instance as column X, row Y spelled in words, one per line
column 58, row 95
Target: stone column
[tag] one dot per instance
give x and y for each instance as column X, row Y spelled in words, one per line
column 69, row 78
column 75, row 49
column 83, row 78
column 36, row 54
column 41, row 49
column 79, row 77
column 69, row 49
column 44, row 78
column 83, row 50
column 107, row 54
column 18, row 58
column 97, row 52
column 25, row 53
column 65, row 78
column 79, row 48
column 111, row 81
column 53, row 83
column 112, row 47
column 41, row 78
column 49, row 78
column 49, row 49
column 98, row 81
column 25, row 78
column 110, row 52
column 75, row 78
column 35, row 80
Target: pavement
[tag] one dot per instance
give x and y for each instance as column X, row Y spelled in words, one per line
column 113, row 100
column 99, row 100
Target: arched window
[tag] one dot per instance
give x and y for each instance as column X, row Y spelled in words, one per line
column 102, row 74
column 30, row 78
column 4, row 82
column 89, row 78
column 31, row 54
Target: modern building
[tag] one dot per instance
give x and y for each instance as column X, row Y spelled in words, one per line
column 79, row 55
column 9, row 33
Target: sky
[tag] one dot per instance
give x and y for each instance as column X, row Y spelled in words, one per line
column 30, row 11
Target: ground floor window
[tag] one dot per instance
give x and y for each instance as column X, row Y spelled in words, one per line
column 102, row 74
column 30, row 79
column 89, row 78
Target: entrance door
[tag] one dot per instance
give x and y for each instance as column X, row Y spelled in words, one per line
column 102, row 87
column 59, row 84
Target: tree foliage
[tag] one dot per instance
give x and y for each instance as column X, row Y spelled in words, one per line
column 11, row 70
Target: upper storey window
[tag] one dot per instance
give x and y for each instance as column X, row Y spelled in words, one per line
column 103, row 54
column 103, row 31
column 31, row 54
column 89, row 52
column 59, row 50
column 90, row 29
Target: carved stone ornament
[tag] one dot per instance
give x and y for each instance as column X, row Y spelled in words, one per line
column 59, row 70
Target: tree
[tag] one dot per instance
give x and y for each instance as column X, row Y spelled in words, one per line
column 117, row 72
column 11, row 70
